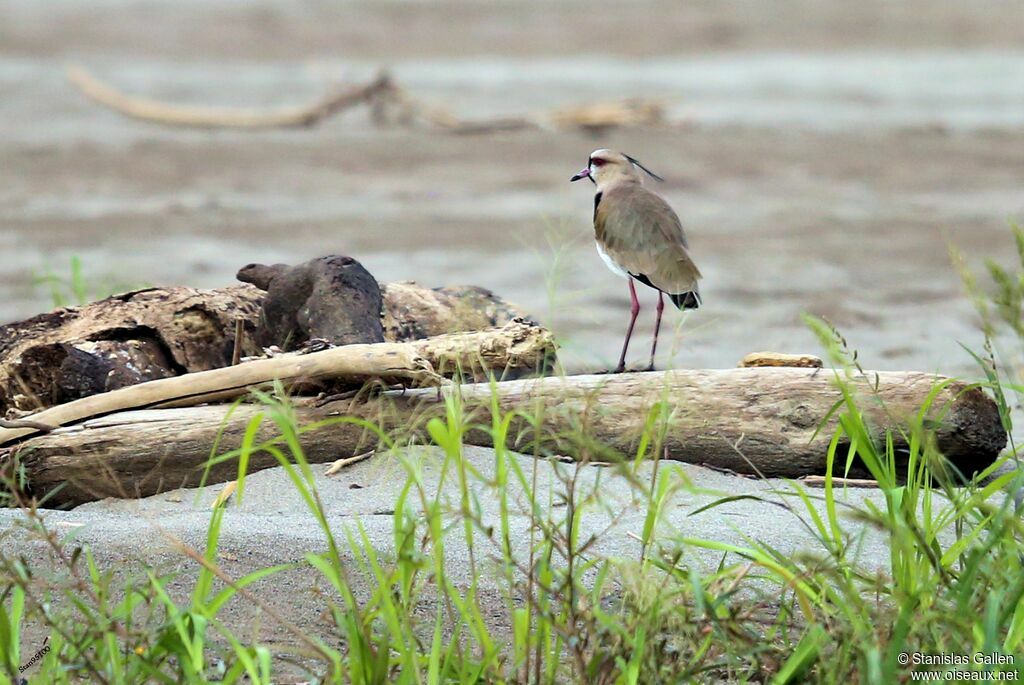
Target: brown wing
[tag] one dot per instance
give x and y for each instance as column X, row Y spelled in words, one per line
column 643, row 235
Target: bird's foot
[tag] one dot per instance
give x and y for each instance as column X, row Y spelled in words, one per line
column 650, row 367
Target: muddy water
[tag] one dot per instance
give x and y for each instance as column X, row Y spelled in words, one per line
column 824, row 170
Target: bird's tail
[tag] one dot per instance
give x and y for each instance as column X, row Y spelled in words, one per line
column 687, row 300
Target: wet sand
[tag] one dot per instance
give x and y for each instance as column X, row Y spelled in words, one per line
column 827, row 156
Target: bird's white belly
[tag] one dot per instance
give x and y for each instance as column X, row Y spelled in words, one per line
column 610, row 263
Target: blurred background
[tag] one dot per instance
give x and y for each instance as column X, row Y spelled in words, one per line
column 822, row 156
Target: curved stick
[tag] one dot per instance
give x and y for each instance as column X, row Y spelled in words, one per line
column 224, row 117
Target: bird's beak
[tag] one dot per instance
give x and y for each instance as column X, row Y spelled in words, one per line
column 583, row 174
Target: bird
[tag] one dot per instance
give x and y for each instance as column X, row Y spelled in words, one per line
column 640, row 237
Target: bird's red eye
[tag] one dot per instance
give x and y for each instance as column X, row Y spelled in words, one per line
column 597, row 162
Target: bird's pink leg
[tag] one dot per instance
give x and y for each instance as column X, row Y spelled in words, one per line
column 657, row 327
column 634, row 309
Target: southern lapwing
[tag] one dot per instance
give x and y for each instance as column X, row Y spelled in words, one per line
column 639, row 237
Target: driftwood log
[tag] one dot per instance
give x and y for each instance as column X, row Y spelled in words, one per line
column 388, row 103
column 517, row 345
column 126, row 339
column 748, row 420
column 225, row 117
column 143, row 335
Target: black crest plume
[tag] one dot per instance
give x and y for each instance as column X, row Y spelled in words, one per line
column 648, row 171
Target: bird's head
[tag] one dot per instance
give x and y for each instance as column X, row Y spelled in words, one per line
column 606, row 166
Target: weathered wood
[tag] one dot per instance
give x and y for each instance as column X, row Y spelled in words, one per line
column 129, row 338
column 519, row 347
column 413, row 312
column 746, row 420
column 226, row 117
column 388, row 104
column 754, row 359
column 71, row 353
column 409, row 364
column 391, row 362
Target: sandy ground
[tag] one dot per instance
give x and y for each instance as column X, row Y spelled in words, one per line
column 273, row 526
column 828, row 154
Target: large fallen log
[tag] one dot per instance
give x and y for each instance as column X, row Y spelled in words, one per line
column 143, row 335
column 747, row 420
column 518, row 345
column 122, row 340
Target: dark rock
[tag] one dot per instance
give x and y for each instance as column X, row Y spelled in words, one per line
column 261, row 275
column 332, row 298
